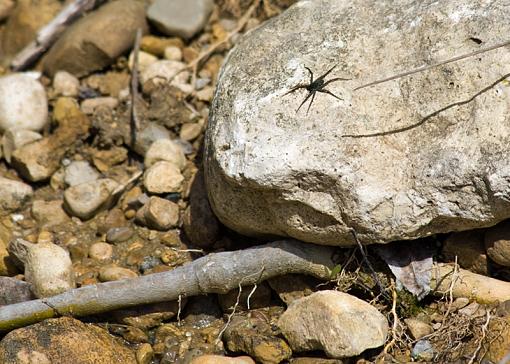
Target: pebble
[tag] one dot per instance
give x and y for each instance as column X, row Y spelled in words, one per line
column 423, row 351
column 200, row 83
column 206, row 94
column 183, row 18
column 144, row 60
column 89, row 106
column 190, row 131
column 23, row 103
column 16, row 138
column 87, row 199
column 341, row 325
column 44, row 237
column 96, row 40
column 159, row 214
column 119, row 234
column 173, row 53
column 162, row 72
column 144, row 354
column 418, row 328
column 163, row 177
column 219, row 359
column 79, row 172
column 48, row 267
column 13, row 290
column 149, row 135
column 101, row 252
column 165, row 150
column 107, row 274
column 13, row 194
column 157, row 45
column 66, row 84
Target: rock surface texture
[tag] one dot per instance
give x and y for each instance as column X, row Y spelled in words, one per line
column 441, row 164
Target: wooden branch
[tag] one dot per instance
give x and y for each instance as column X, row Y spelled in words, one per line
column 49, row 34
column 463, row 283
column 215, row 273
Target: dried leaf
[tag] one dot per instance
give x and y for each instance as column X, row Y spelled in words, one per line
column 411, row 263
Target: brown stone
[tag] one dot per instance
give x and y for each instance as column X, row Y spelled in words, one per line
column 96, row 40
column 63, row 340
column 497, row 243
column 468, row 247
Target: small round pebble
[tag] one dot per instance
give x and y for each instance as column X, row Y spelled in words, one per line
column 190, row 131
column 66, row 84
column 144, row 354
column 173, row 53
column 163, row 177
column 165, row 150
column 45, row 237
column 119, row 234
column 115, row 273
column 101, row 252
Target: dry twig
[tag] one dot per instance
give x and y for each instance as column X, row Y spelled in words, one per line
column 134, row 122
column 214, row 273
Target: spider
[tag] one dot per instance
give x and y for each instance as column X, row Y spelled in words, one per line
column 316, row 86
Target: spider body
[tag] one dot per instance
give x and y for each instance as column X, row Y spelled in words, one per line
column 315, row 86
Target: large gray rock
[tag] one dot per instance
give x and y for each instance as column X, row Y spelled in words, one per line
column 273, row 171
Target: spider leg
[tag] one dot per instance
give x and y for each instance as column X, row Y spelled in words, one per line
column 311, row 74
column 328, row 72
column 306, row 98
column 295, row 88
column 310, row 104
column 334, row 80
column 330, row 93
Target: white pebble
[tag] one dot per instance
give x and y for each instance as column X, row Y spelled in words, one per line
column 66, row 84
column 23, row 103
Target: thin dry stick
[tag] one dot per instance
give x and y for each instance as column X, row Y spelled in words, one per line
column 425, row 68
column 229, row 318
column 49, row 34
column 179, row 301
column 394, row 315
column 134, row 122
column 482, row 338
column 369, row 265
column 455, row 277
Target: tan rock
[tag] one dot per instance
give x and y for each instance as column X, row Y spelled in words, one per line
column 417, row 328
column 63, row 340
column 159, row 214
column 339, row 324
column 165, row 150
column 107, row 274
column 163, row 177
column 156, row 45
column 190, row 131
